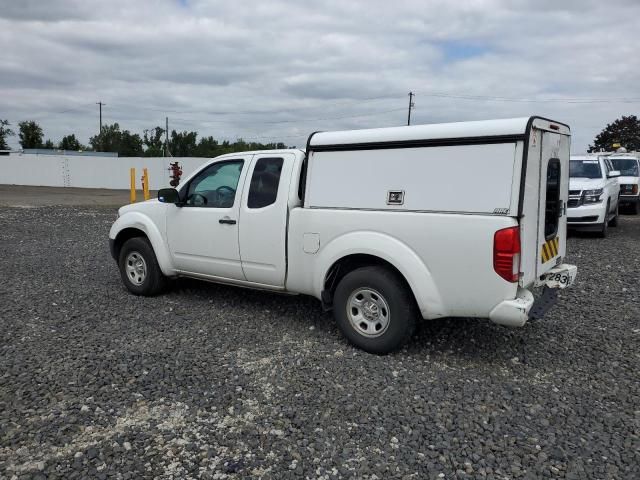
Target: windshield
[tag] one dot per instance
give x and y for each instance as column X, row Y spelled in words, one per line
column 628, row 166
column 584, row 169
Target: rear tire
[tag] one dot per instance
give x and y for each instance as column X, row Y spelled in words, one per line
column 635, row 208
column 375, row 309
column 139, row 268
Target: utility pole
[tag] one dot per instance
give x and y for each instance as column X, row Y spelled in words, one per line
column 100, row 104
column 411, row 105
column 166, row 138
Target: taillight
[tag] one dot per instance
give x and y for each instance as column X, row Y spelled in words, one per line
column 634, row 189
column 506, row 253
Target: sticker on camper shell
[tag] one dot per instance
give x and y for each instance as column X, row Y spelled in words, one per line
column 550, row 249
column 395, row 197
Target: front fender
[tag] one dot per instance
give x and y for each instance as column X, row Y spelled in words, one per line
column 143, row 223
column 392, row 250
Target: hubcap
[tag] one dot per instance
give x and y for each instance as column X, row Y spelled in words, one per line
column 136, row 268
column 368, row 312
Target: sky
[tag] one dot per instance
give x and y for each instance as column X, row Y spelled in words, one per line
column 277, row 70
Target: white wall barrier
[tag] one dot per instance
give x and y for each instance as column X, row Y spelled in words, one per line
column 86, row 171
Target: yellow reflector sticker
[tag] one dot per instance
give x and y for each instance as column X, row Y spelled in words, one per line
column 550, row 249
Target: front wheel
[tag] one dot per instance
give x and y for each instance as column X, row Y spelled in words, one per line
column 614, row 221
column 139, row 268
column 375, row 309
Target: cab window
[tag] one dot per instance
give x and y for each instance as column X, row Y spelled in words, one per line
column 215, row 186
column 264, row 182
column 552, row 200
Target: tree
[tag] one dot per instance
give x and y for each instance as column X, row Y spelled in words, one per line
column 183, row 144
column 30, row 134
column 625, row 131
column 112, row 139
column 70, row 142
column 5, row 132
column 153, row 142
column 49, row 145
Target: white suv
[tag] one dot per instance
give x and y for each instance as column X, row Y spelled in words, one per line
column 629, row 167
column 594, row 194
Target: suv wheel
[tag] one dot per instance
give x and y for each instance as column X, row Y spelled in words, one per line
column 605, row 225
column 375, row 309
column 635, row 208
column 139, row 268
column 614, row 221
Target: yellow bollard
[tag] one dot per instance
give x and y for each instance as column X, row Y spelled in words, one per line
column 145, row 184
column 133, row 185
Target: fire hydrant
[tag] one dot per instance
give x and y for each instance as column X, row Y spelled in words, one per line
column 176, row 173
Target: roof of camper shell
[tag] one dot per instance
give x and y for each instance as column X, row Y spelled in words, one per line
column 457, row 130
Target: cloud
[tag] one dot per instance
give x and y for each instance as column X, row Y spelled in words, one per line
column 283, row 68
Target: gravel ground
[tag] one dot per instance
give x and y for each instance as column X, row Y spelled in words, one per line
column 210, row 381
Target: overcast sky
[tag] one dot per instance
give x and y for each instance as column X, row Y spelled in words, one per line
column 279, row 69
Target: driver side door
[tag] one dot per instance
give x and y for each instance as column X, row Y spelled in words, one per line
column 203, row 233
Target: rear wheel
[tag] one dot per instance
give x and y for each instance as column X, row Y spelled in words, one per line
column 139, row 268
column 635, row 208
column 375, row 309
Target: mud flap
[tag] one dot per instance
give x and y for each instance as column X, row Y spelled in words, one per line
column 543, row 303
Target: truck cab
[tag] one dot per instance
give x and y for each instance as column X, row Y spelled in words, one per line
column 594, row 194
column 372, row 223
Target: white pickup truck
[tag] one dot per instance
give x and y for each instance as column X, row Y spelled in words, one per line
column 384, row 226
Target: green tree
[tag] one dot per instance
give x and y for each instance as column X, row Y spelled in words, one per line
column 183, row 144
column 625, row 131
column 5, row 132
column 153, row 141
column 30, row 134
column 70, row 142
column 112, row 139
column 207, row 147
column 49, row 145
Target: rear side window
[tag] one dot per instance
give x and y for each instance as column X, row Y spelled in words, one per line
column 264, row 182
column 552, row 202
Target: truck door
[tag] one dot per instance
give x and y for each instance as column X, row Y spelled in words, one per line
column 203, row 233
column 554, row 193
column 263, row 219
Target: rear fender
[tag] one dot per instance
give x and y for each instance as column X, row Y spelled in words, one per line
column 393, row 251
column 141, row 222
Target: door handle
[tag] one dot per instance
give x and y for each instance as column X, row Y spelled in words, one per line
column 227, row 220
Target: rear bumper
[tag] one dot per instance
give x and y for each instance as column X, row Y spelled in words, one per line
column 515, row 313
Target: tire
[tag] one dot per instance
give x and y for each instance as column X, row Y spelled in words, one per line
column 605, row 225
column 614, row 221
column 375, row 309
column 635, row 208
column 139, row 268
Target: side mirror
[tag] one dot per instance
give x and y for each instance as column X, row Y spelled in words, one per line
column 614, row 173
column 168, row 195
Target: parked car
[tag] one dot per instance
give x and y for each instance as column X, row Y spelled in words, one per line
column 383, row 226
column 594, row 194
column 628, row 165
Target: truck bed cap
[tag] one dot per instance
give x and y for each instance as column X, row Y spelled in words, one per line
column 456, row 130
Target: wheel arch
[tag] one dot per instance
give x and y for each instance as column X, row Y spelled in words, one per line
column 135, row 224
column 341, row 256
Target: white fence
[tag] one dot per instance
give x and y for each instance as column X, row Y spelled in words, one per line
column 86, row 171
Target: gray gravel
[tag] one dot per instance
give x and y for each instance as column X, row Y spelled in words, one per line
column 210, row 381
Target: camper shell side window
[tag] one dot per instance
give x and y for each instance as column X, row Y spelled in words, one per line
column 553, row 207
